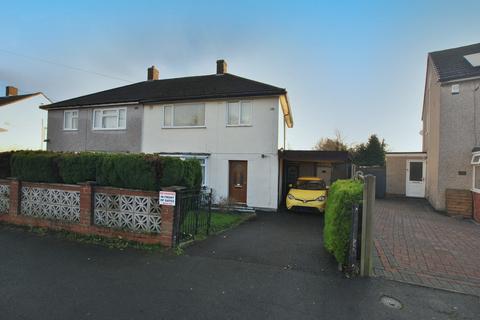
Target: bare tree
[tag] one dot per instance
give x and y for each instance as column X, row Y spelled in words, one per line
column 332, row 144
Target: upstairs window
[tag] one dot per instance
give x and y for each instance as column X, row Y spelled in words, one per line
column 110, row 119
column 184, row 115
column 239, row 113
column 70, row 120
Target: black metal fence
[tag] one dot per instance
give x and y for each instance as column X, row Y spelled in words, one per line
column 192, row 214
column 354, row 250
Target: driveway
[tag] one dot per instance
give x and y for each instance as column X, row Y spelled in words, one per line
column 417, row 245
column 273, row 267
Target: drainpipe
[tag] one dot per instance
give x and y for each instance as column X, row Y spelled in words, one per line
column 475, row 113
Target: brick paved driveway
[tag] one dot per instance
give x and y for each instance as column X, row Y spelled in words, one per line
column 417, row 245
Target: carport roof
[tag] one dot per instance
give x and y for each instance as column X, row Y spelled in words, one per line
column 314, row 155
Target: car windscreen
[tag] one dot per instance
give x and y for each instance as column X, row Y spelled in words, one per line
column 311, row 185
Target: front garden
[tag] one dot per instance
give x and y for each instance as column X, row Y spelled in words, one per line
column 106, row 195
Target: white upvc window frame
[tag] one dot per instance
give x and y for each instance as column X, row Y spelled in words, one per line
column 74, row 116
column 241, row 104
column 119, row 127
column 475, row 162
column 172, row 125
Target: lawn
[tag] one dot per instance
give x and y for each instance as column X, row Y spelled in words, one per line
column 221, row 221
column 196, row 227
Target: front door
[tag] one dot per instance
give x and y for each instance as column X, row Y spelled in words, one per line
column 415, row 179
column 237, row 190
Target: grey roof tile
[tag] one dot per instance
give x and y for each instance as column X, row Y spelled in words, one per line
column 451, row 64
column 176, row 89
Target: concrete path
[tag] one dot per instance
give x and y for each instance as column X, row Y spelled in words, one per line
column 418, row 245
column 273, row 267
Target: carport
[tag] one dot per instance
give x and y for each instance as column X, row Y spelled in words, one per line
column 328, row 165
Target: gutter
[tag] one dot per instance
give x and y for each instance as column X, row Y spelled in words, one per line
column 89, row 105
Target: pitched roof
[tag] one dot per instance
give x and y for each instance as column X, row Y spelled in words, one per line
column 176, row 89
column 11, row 99
column 452, row 65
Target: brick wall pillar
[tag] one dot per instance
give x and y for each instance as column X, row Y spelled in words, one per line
column 166, row 230
column 86, row 203
column 15, row 196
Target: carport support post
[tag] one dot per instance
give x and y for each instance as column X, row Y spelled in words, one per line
column 367, row 226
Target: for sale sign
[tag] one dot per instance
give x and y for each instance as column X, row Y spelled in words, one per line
column 167, row 198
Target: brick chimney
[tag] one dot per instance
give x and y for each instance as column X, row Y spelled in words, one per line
column 152, row 73
column 11, row 91
column 221, row 67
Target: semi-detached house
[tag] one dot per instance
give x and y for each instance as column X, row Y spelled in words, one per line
column 234, row 126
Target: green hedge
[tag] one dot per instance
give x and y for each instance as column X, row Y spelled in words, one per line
column 74, row 168
column 338, row 220
column 192, row 177
column 5, row 164
column 35, row 166
column 132, row 171
column 129, row 171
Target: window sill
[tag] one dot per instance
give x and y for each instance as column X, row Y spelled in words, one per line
column 238, row 125
column 70, row 130
column 111, row 129
column 186, row 127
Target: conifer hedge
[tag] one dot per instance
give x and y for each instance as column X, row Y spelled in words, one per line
column 132, row 171
column 342, row 195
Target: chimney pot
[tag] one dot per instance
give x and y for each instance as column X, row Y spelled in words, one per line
column 221, row 66
column 11, row 91
column 152, row 73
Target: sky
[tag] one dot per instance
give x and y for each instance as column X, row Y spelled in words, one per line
column 353, row 66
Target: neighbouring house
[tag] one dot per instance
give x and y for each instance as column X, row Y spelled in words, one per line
column 405, row 174
column 451, row 131
column 451, row 123
column 22, row 124
column 234, row 126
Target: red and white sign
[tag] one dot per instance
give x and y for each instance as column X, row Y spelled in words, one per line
column 166, row 198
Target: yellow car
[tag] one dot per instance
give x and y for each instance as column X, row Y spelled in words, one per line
column 310, row 192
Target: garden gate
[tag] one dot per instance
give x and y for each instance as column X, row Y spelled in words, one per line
column 192, row 215
column 361, row 235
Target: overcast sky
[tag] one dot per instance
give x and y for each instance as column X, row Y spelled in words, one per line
column 355, row 66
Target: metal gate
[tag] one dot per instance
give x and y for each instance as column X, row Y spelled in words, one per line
column 193, row 213
column 360, row 253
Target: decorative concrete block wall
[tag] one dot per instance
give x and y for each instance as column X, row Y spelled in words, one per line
column 88, row 209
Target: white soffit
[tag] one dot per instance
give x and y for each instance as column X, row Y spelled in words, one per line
column 474, row 59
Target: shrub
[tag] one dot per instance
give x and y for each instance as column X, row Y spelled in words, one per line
column 343, row 194
column 192, row 174
column 172, row 171
column 133, row 171
column 35, row 166
column 79, row 167
column 130, row 171
column 5, row 164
